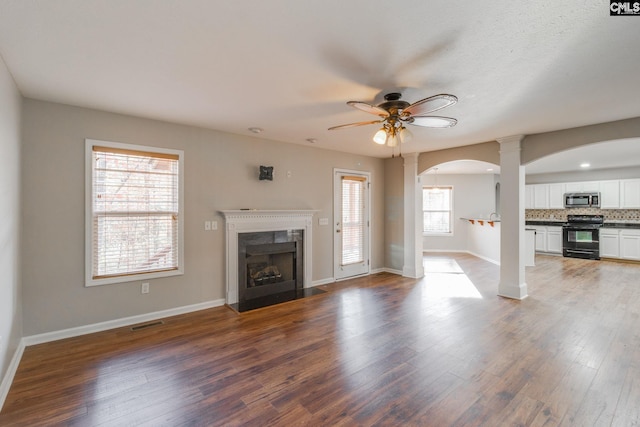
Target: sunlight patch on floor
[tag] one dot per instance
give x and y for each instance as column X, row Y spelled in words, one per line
column 448, row 285
column 441, row 265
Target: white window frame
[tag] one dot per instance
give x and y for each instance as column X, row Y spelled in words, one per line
column 89, row 280
column 451, row 214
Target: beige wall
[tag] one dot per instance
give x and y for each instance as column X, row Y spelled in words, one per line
column 473, row 197
column 485, row 152
column 10, row 292
column 394, row 213
column 220, row 173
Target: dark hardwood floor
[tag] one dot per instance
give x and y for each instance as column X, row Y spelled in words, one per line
column 379, row 350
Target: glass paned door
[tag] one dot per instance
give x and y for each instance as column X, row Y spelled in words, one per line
column 351, row 223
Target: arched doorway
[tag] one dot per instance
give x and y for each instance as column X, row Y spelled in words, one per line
column 454, row 192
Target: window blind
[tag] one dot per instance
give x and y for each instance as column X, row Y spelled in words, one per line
column 135, row 212
column 436, row 206
column 353, row 226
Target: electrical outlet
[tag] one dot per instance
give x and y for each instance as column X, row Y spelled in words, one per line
column 145, row 288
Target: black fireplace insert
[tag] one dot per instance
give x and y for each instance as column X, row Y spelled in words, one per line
column 270, row 268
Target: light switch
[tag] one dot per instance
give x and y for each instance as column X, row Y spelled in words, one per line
column 207, row 225
column 214, row 225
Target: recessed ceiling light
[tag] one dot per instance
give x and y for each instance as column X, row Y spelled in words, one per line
column 312, row 140
column 489, row 169
column 585, row 165
column 256, row 130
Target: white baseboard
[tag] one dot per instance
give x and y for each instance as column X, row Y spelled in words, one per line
column 89, row 329
column 5, row 385
column 455, row 251
column 323, row 282
column 493, row 261
column 118, row 323
column 373, row 271
column 387, row 270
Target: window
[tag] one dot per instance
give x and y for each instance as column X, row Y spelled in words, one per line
column 353, row 225
column 437, row 208
column 134, row 212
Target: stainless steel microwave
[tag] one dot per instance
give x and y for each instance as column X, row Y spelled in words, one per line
column 581, row 200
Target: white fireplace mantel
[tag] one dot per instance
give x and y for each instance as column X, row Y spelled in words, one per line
column 251, row 221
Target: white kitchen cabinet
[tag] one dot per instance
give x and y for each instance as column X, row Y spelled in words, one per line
column 630, row 193
column 630, row 244
column 614, row 194
column 554, row 240
column 556, row 196
column 573, row 187
column 591, row 186
column 610, row 242
column 529, row 247
column 610, row 194
column 548, row 239
column 541, row 238
column 536, row 196
column 541, row 196
column 581, row 187
column 528, row 197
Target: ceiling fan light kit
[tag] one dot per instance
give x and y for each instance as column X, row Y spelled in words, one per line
column 380, row 137
column 394, row 113
column 405, row 135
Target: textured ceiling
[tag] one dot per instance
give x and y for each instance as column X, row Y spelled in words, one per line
column 289, row 66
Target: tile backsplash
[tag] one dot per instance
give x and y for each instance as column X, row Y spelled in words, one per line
column 561, row 214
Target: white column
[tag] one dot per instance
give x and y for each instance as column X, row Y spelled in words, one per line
column 512, row 236
column 412, row 218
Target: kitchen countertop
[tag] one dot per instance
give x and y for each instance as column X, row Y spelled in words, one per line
column 607, row 224
column 616, row 224
column 551, row 222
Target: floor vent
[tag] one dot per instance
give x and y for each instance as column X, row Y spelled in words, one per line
column 147, row 325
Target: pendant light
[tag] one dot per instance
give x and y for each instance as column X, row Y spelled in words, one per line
column 435, row 187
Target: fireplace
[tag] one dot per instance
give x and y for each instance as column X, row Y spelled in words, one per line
column 269, row 262
column 268, row 256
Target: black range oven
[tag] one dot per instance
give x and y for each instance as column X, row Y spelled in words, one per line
column 581, row 236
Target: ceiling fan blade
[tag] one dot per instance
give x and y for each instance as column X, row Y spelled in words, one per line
column 429, row 105
column 351, row 125
column 368, row 108
column 432, row 121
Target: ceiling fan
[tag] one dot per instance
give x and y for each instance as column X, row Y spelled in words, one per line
column 394, row 113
